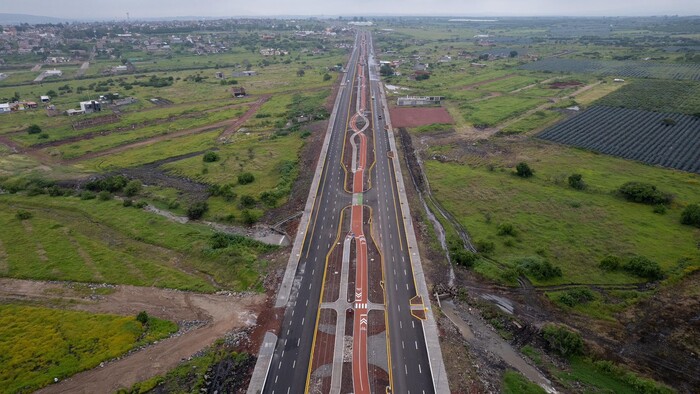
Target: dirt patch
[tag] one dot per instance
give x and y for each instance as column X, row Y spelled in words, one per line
column 565, row 84
column 209, row 317
column 414, row 117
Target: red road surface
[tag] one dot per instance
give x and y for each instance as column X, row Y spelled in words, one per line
column 360, row 370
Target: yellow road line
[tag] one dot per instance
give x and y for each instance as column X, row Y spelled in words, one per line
column 320, row 301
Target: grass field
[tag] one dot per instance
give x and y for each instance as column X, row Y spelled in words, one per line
column 40, row 344
column 515, row 383
column 573, row 229
column 536, row 121
column 100, row 241
column 491, row 112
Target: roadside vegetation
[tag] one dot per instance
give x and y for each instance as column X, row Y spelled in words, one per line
column 42, row 344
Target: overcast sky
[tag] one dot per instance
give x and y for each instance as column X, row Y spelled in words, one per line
column 117, row 9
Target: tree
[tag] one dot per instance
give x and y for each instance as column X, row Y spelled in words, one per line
column 132, row 188
column 513, row 53
column 300, row 72
column 644, row 193
column 34, row 129
column 51, row 93
column 326, row 77
column 197, row 210
column 523, row 170
column 691, row 215
column 386, row 70
column 576, row 182
column 248, row 201
column 463, row 257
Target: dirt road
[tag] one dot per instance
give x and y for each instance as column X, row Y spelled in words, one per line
column 221, row 312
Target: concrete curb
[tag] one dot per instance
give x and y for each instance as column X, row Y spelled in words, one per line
column 262, row 366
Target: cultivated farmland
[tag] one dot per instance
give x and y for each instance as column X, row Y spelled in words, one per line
column 657, row 95
column 635, row 69
column 665, row 139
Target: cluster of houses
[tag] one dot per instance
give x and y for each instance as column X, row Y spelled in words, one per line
column 16, row 106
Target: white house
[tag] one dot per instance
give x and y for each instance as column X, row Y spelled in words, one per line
column 5, row 108
column 89, row 107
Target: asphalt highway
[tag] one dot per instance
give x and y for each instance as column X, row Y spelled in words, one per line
column 409, row 362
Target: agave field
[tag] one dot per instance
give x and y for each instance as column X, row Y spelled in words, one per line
column 665, row 139
column 657, row 95
column 627, row 68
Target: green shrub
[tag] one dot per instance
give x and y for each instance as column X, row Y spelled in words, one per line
column 248, row 217
column 576, row 182
column 660, row 209
column 87, row 195
column 248, row 201
column 644, row 193
column 210, row 157
column 197, row 210
column 142, row 317
column 563, row 341
column 111, row 184
column 523, row 170
column 539, row 268
column 484, row 246
column 246, row 178
column 104, row 195
column 34, row 129
column 141, row 204
column 132, row 188
column 575, row 297
column 691, row 215
column 609, row 263
column 506, row 229
column 128, row 202
column 23, row 215
column 644, row 268
column 463, row 257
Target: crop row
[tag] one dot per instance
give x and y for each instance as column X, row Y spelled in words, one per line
column 637, row 69
column 665, row 139
column 657, row 95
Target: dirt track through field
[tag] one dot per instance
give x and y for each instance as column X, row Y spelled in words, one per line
column 222, row 313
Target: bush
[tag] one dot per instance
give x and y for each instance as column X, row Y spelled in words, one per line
column 104, row 195
column 197, row 210
column 691, row 215
column 132, row 188
column 561, row 340
column 576, row 182
column 248, row 217
column 463, row 257
column 485, row 247
column 111, row 184
column 87, row 195
column 225, row 191
column 34, row 129
column 23, row 215
column 523, row 170
column 210, row 157
column 248, row 201
column 644, row 193
column 506, row 229
column 55, row 191
column 142, row 317
column 539, row 268
column 575, row 297
column 141, row 204
column 128, row 202
column 609, row 263
column 644, row 268
column 246, row 178
column 660, row 209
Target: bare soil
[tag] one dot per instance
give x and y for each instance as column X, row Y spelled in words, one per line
column 414, row 117
column 203, row 318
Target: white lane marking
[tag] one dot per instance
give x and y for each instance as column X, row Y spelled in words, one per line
column 292, row 312
column 294, row 364
column 413, row 324
column 420, row 370
column 403, row 345
column 405, row 367
column 416, row 342
column 298, row 341
column 276, row 377
column 279, row 365
column 302, row 320
column 307, row 301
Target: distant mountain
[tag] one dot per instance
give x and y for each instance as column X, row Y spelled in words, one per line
column 16, row 19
